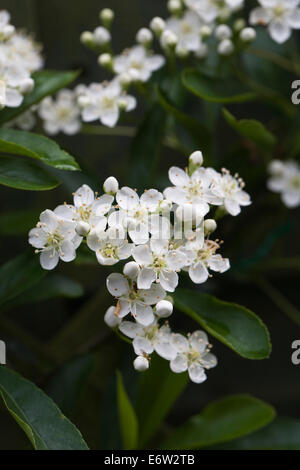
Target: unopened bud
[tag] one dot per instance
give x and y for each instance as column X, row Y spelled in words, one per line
column 131, row 269
column 105, row 60
column 141, row 364
column 168, row 39
column 174, row 6
column 239, row 24
column 8, row 31
column 125, row 80
column 196, row 158
column 106, row 17
column 157, row 25
column 210, row 226
column 205, row 31
column 202, row 51
column 82, row 228
column 164, row 308
column 144, row 36
column 87, row 38
column 110, row 318
column 226, row 47
column 111, row 185
column 101, row 36
column 248, row 34
column 182, row 52
column 223, row 32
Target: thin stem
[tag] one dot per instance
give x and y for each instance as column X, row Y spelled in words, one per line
column 276, row 59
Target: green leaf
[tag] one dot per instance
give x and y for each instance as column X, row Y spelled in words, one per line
column 18, row 275
column 232, row 324
column 47, row 82
column 41, row 420
column 145, row 149
column 252, row 130
column 282, row 434
column 158, row 390
column 53, row 286
column 24, row 174
column 66, row 384
column 127, row 417
column 221, row 421
column 196, row 129
column 215, row 89
column 36, row 146
column 18, row 222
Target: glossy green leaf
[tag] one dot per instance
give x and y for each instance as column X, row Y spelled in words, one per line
column 18, row 275
column 18, row 222
column 195, row 128
column 67, row 383
column 53, row 286
column 222, row 421
column 232, row 324
column 24, row 174
column 127, row 417
column 42, row 421
column 158, row 390
column 47, row 82
column 252, row 130
column 36, row 146
column 145, row 149
column 215, row 89
column 282, row 434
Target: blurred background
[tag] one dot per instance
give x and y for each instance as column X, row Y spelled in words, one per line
column 63, row 345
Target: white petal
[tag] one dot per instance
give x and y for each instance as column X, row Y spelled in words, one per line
column 110, row 118
column 110, row 318
column 232, row 206
column 50, row 220
column 142, row 346
column 145, row 278
column 279, row 31
column 153, row 295
column 140, row 234
column 159, row 246
column 199, row 340
column 209, row 360
column 294, row 18
column 130, row 329
column 259, row 16
column 165, row 349
column 13, row 98
column 180, row 343
column 142, row 255
column 65, row 211
column 117, row 284
column 219, row 264
column 178, row 177
column 84, row 196
column 68, row 252
column 198, row 273
column 168, row 280
column 49, row 259
column 142, row 313
column 127, row 199
column 150, row 199
column 197, row 373
column 179, row 364
column 38, row 238
column 291, row 198
column 103, row 205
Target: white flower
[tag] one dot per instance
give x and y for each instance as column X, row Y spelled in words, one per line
column 151, row 338
column 61, row 114
column 229, row 192
column 285, row 179
column 6, row 29
column 110, row 317
column 210, row 10
column 132, row 300
column 281, row 16
column 138, row 63
column 203, row 259
column 26, row 121
column 21, row 49
column 137, row 214
column 158, row 261
column 192, row 189
column 110, row 245
column 12, row 79
column 187, row 30
column 88, row 207
column 102, row 101
column 193, row 355
column 55, row 239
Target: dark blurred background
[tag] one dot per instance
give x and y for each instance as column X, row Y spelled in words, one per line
column 43, row 336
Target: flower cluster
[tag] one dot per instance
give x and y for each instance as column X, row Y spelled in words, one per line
column 20, row 56
column 285, row 179
column 157, row 235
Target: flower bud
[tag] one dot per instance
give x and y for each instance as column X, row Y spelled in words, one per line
column 27, row 86
column 174, row 6
column 202, row 51
column 131, row 269
column 110, row 318
column 223, row 32
column 125, row 80
column 248, row 34
column 226, row 47
column 111, row 185
column 87, row 38
column 83, row 101
column 276, row 167
column 168, row 39
column 101, row 36
column 164, row 308
column 210, row 226
column 122, row 104
column 239, row 24
column 141, row 364
column 196, row 158
column 82, row 228
column 205, row 31
column 166, row 206
column 157, row 25
column 144, row 36
column 106, row 17
column 105, row 60
column 8, row 31
column 182, row 52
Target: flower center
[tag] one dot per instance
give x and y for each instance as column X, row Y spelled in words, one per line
column 84, row 213
column 55, row 239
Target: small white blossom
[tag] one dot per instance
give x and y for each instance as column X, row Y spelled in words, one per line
column 229, row 192
column 210, row 10
column 110, row 245
column 281, row 16
column 133, row 300
column 6, row 29
column 285, row 179
column 193, row 355
column 101, row 101
column 61, row 114
column 187, row 31
column 203, row 259
column 138, row 63
column 54, row 239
